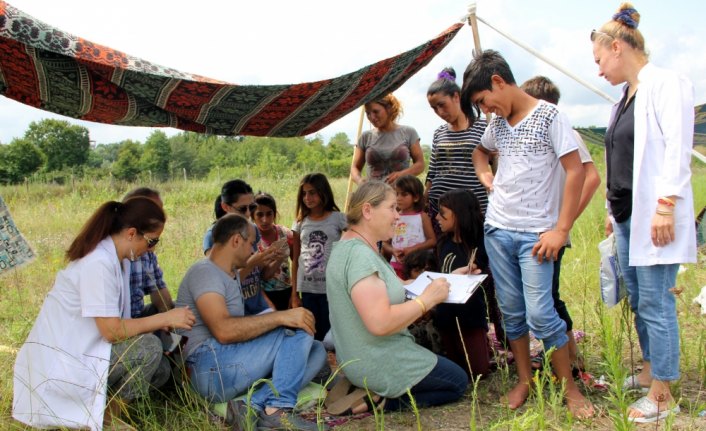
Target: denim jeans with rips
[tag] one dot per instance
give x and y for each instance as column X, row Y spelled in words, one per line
column 523, row 287
column 654, row 307
column 290, row 358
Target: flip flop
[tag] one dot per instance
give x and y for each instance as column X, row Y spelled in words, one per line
column 338, row 391
column 347, row 402
column 650, row 411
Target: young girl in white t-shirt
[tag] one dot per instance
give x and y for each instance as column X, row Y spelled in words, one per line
column 414, row 230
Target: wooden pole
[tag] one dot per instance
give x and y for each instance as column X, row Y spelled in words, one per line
column 349, row 188
column 474, row 27
column 473, row 22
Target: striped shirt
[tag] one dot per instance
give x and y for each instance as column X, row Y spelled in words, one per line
column 451, row 166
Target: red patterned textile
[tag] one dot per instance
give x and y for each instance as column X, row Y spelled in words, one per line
column 49, row 69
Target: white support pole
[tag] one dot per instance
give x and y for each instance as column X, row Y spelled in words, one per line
column 550, row 62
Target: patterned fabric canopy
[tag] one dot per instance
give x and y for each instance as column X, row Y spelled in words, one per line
column 49, row 69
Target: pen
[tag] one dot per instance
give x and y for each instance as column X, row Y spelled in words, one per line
column 429, row 277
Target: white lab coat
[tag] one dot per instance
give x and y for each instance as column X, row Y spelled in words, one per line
column 61, row 371
column 664, row 132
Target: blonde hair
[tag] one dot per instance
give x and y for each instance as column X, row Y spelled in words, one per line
column 622, row 26
column 391, row 104
column 373, row 193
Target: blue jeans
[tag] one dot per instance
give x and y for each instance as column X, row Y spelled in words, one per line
column 445, row 383
column 523, row 287
column 291, row 358
column 654, row 307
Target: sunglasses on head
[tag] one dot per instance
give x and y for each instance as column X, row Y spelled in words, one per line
column 595, row 33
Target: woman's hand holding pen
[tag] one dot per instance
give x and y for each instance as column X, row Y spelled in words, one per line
column 436, row 292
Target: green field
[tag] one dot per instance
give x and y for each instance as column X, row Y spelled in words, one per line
column 50, row 215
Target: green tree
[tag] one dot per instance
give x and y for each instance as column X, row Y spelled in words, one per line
column 104, row 155
column 156, row 155
column 127, row 167
column 271, row 164
column 18, row 160
column 338, row 155
column 65, row 145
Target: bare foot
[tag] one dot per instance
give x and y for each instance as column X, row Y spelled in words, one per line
column 578, row 405
column 517, row 396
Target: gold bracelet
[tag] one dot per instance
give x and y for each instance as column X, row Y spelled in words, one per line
column 421, row 304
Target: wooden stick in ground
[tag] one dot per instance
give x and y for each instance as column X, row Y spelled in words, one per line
column 349, row 188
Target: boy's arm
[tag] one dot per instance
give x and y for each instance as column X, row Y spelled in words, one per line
column 550, row 242
column 162, row 299
column 590, row 185
column 481, row 158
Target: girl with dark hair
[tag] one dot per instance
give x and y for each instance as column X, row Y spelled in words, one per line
column 461, row 222
column 387, row 148
column 84, row 347
column 413, row 230
column 450, row 164
column 318, row 225
column 279, row 288
column 237, row 197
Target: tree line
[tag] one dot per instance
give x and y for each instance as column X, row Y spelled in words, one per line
column 53, row 150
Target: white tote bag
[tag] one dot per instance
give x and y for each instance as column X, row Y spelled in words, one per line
column 612, row 283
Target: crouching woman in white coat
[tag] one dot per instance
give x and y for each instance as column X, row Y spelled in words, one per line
column 84, row 348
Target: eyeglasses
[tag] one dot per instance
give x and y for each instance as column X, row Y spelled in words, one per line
column 245, row 208
column 151, row 242
column 595, row 33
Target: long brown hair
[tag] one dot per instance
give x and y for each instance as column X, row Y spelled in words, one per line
column 139, row 212
column 319, row 182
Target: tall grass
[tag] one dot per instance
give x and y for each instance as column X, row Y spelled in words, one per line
column 50, row 215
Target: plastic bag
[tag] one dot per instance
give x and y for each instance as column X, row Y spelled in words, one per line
column 612, row 284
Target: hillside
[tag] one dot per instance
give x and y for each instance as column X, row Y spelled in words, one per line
column 594, row 135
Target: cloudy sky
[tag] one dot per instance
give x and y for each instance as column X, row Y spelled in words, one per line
column 285, row 41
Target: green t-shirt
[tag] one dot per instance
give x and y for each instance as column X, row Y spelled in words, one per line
column 389, row 365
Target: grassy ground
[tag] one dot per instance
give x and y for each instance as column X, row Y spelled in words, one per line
column 49, row 216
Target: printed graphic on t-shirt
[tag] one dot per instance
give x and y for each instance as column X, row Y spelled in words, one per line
column 382, row 163
column 315, row 253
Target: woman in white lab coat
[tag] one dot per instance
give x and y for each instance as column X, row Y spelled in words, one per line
column 648, row 151
column 84, row 348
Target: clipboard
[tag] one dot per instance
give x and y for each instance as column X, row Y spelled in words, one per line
column 463, row 286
